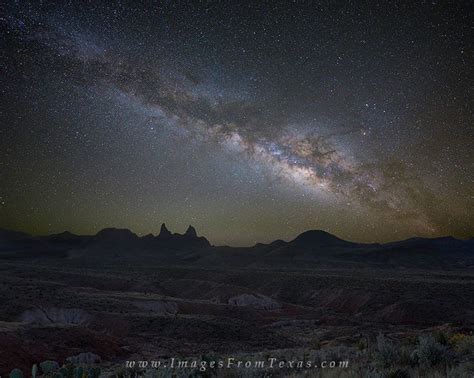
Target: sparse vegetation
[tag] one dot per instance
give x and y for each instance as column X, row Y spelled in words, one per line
column 429, row 352
column 51, row 369
column 16, row 373
column 321, row 316
column 391, row 359
column 387, row 352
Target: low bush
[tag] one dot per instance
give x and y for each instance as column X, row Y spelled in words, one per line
column 429, row 352
column 387, row 352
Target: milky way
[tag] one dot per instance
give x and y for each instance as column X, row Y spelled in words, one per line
column 251, row 122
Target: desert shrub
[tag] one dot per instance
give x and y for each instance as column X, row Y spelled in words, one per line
column 413, row 340
column 361, row 345
column 465, row 345
column 461, row 371
column 16, row 373
column 456, row 338
column 405, row 357
column 118, row 372
column 78, row 372
column 442, row 337
column 49, row 366
column 387, row 353
column 66, row 371
column 429, row 352
column 93, row 372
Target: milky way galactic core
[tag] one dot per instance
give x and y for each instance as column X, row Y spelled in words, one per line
column 251, row 121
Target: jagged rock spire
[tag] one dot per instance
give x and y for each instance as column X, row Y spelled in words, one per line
column 164, row 232
column 191, row 232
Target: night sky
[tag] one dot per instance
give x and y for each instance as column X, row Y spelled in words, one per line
column 250, row 121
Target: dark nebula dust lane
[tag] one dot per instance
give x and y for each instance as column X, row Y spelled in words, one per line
column 250, row 121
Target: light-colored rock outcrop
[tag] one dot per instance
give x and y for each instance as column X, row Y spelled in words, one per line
column 53, row 315
column 254, row 300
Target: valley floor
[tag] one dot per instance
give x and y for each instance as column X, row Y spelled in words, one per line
column 57, row 309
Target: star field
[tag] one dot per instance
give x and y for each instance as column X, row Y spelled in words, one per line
column 251, row 121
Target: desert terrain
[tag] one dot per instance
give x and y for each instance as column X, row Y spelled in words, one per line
column 114, row 297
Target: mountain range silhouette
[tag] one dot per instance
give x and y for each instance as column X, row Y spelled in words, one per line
column 310, row 248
